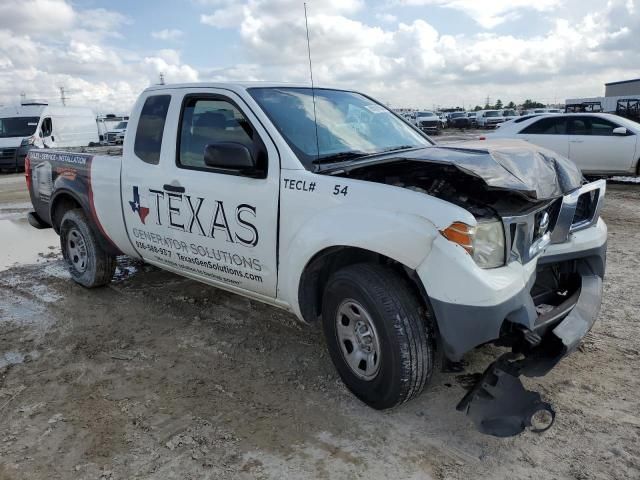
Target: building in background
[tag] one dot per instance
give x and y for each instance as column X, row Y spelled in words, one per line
column 621, row 98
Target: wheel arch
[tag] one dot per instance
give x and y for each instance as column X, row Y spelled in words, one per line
column 323, row 264
column 65, row 200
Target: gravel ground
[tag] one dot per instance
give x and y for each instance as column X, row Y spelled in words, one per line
column 159, row 377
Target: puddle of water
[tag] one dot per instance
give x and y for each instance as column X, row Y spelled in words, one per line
column 22, row 244
column 15, row 358
column 14, row 210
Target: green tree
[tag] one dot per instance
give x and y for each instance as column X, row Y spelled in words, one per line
column 528, row 103
column 498, row 104
column 477, row 108
column 511, row 105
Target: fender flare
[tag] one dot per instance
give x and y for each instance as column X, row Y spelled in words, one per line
column 406, row 238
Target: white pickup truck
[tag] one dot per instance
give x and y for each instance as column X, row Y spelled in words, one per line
column 328, row 205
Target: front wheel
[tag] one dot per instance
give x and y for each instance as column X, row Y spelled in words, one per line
column 89, row 264
column 378, row 334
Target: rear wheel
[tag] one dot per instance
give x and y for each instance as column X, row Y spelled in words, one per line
column 89, row 264
column 378, row 334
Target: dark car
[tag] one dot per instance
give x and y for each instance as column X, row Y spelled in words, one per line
column 459, row 120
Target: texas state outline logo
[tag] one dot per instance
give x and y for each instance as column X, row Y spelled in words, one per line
column 136, row 207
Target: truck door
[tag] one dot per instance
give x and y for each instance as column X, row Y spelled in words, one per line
column 212, row 211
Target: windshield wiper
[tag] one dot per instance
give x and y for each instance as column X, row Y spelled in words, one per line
column 340, row 157
column 399, row 147
column 353, row 155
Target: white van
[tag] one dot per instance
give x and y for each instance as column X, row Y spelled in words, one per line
column 37, row 125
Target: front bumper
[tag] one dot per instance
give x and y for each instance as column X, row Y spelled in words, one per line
column 540, row 310
column 13, row 157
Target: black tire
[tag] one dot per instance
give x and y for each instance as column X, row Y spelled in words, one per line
column 401, row 324
column 93, row 268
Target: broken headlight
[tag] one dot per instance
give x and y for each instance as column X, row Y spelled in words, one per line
column 484, row 242
column 488, row 244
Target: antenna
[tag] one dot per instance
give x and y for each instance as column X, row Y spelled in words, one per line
column 161, row 78
column 313, row 89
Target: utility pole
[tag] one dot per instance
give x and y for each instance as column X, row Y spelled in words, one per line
column 488, row 102
column 63, row 97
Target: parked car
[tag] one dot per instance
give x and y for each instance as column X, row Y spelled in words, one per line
column 116, row 135
column 37, row 125
column 489, row 118
column 458, row 120
column 428, row 122
column 509, row 114
column 472, row 116
column 599, row 143
column 348, row 216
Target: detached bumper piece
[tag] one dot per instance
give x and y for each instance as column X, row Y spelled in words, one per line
column 498, row 404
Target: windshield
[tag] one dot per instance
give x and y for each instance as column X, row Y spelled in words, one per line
column 121, row 126
column 509, row 113
column 426, row 114
column 458, row 115
column 492, row 113
column 348, row 124
column 18, row 126
column 471, row 114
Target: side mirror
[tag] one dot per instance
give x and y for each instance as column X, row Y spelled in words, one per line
column 620, row 131
column 229, row 155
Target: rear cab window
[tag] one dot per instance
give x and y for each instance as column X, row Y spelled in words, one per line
column 151, row 128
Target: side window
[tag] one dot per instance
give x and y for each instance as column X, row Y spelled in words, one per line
column 215, row 122
column 151, row 128
column 47, row 127
column 579, row 126
column 547, row 126
column 602, row 127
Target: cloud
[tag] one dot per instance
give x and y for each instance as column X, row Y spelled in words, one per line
column 168, row 34
column 489, row 13
column 413, row 62
column 36, row 16
column 77, row 53
column 407, row 63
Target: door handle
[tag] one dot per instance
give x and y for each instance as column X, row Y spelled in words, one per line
column 173, row 188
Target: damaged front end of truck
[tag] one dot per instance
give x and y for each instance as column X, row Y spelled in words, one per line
column 550, row 219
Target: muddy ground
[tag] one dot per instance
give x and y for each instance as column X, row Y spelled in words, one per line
column 159, row 377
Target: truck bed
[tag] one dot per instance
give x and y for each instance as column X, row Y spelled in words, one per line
column 56, row 177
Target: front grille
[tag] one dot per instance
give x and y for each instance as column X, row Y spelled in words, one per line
column 429, row 124
column 111, row 137
column 528, row 235
column 584, row 207
column 8, row 154
column 551, row 218
column 580, row 209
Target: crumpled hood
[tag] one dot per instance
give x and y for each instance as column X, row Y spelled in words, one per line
column 513, row 165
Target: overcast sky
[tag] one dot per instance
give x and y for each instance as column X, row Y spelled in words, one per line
column 404, row 52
